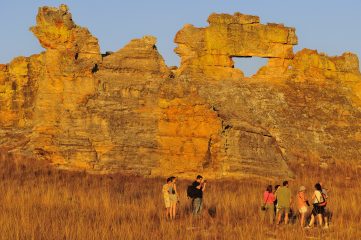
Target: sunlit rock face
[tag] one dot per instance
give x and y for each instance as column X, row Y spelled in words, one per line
column 128, row 112
column 209, row 50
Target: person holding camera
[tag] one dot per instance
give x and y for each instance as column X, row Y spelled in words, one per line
column 199, row 185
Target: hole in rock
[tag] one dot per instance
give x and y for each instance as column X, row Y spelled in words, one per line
column 95, row 68
column 13, row 86
column 227, row 127
column 249, row 65
column 107, row 53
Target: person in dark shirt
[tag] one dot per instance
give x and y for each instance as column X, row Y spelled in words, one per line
column 199, row 184
column 275, row 202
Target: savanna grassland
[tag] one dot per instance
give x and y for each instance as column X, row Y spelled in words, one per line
column 39, row 202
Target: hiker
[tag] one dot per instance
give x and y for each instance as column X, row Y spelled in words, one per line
column 166, row 198
column 302, row 204
column 327, row 213
column 275, row 201
column 318, row 206
column 198, row 186
column 284, row 200
column 268, row 204
column 173, row 197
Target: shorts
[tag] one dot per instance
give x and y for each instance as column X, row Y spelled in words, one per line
column 283, row 210
column 167, row 202
column 318, row 209
column 303, row 209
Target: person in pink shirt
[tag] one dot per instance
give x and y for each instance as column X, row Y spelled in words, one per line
column 268, row 199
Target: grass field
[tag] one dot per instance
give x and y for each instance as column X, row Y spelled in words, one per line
column 38, row 202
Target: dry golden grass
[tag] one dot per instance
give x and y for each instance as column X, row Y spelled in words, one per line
column 38, row 202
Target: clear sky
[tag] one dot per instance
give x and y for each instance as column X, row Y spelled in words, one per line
column 330, row 26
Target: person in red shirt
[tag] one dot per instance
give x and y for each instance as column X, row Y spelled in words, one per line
column 268, row 200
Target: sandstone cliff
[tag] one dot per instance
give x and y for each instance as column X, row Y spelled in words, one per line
column 127, row 111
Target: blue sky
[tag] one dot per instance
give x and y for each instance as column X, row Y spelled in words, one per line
column 330, row 26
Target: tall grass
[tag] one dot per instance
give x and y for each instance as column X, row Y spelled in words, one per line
column 38, row 202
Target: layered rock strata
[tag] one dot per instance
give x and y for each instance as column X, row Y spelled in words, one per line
column 128, row 112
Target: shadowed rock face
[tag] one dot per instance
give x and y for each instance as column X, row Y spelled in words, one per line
column 127, row 111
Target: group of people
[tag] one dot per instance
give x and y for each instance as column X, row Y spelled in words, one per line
column 194, row 192
column 277, row 204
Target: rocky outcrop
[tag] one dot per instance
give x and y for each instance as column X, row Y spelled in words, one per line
column 210, row 50
column 127, row 111
column 47, row 91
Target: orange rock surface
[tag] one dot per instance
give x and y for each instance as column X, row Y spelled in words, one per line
column 127, row 111
column 210, row 50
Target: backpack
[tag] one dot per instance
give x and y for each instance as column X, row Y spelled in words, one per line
column 324, row 202
column 191, row 191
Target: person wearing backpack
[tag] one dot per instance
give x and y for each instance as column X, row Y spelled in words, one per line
column 319, row 203
column 327, row 215
column 195, row 192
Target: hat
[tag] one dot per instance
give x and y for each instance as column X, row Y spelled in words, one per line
column 302, row 188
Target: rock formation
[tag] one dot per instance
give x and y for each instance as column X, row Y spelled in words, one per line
column 127, row 111
column 210, row 50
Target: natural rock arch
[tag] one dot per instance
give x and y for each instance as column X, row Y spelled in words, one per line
column 211, row 49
